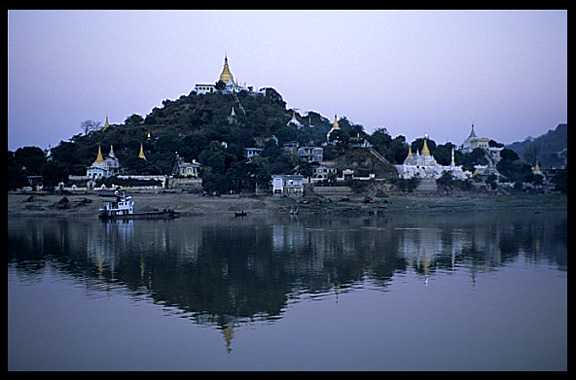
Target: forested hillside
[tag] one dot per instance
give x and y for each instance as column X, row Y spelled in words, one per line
column 549, row 149
column 215, row 128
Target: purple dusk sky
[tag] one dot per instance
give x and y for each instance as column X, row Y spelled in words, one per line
column 412, row 72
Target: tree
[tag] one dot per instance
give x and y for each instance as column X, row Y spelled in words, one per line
column 561, row 180
column 195, row 143
column 340, row 137
column 220, row 85
column 134, row 165
column 214, row 182
column 531, row 151
column 418, row 144
column 88, row 126
column 16, row 176
column 446, row 181
column 54, row 172
column 443, row 153
column 169, row 141
column 397, row 151
column 134, row 119
column 305, row 168
column 276, row 98
column 238, row 176
column 476, row 157
column 31, row 158
column 512, row 167
column 394, row 150
column 380, row 140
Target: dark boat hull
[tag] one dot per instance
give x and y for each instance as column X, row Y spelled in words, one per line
column 143, row 215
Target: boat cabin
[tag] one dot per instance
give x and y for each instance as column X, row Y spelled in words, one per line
column 119, row 206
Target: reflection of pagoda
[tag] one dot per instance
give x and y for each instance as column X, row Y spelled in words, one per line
column 228, row 332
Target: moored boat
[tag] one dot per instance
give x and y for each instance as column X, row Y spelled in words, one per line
column 122, row 207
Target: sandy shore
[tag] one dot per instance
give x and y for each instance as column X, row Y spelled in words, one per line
column 86, row 205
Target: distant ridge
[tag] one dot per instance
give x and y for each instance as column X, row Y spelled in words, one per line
column 551, row 148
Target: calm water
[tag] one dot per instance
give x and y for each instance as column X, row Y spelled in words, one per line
column 446, row 292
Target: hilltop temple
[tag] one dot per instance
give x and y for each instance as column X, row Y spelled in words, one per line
column 472, row 142
column 491, row 153
column 231, row 85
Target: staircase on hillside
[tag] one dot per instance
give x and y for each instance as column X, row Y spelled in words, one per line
column 378, row 155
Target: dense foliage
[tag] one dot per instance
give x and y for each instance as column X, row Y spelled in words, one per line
column 214, row 129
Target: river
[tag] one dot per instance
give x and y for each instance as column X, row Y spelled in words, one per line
column 474, row 291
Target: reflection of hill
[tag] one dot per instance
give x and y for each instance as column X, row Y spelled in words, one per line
column 223, row 271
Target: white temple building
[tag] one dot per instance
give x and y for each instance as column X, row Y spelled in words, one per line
column 104, row 167
column 424, row 165
column 472, row 142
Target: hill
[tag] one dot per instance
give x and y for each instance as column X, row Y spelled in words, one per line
column 213, row 129
column 188, row 125
column 549, row 149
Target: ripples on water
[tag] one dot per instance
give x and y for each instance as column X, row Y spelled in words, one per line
column 483, row 291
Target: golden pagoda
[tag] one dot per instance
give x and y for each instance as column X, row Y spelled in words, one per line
column 106, row 125
column 425, row 151
column 99, row 158
column 335, row 125
column 226, row 74
column 141, row 155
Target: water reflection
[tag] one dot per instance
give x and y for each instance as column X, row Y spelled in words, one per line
column 226, row 271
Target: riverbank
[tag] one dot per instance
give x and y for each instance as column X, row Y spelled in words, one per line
column 86, row 205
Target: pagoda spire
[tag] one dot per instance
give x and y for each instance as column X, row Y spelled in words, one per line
column 425, row 151
column 141, row 155
column 226, row 74
column 472, row 133
column 99, row 158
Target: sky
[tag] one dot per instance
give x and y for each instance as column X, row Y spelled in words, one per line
column 411, row 72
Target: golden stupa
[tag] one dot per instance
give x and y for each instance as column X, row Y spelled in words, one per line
column 99, row 158
column 141, row 155
column 425, row 151
column 226, row 74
